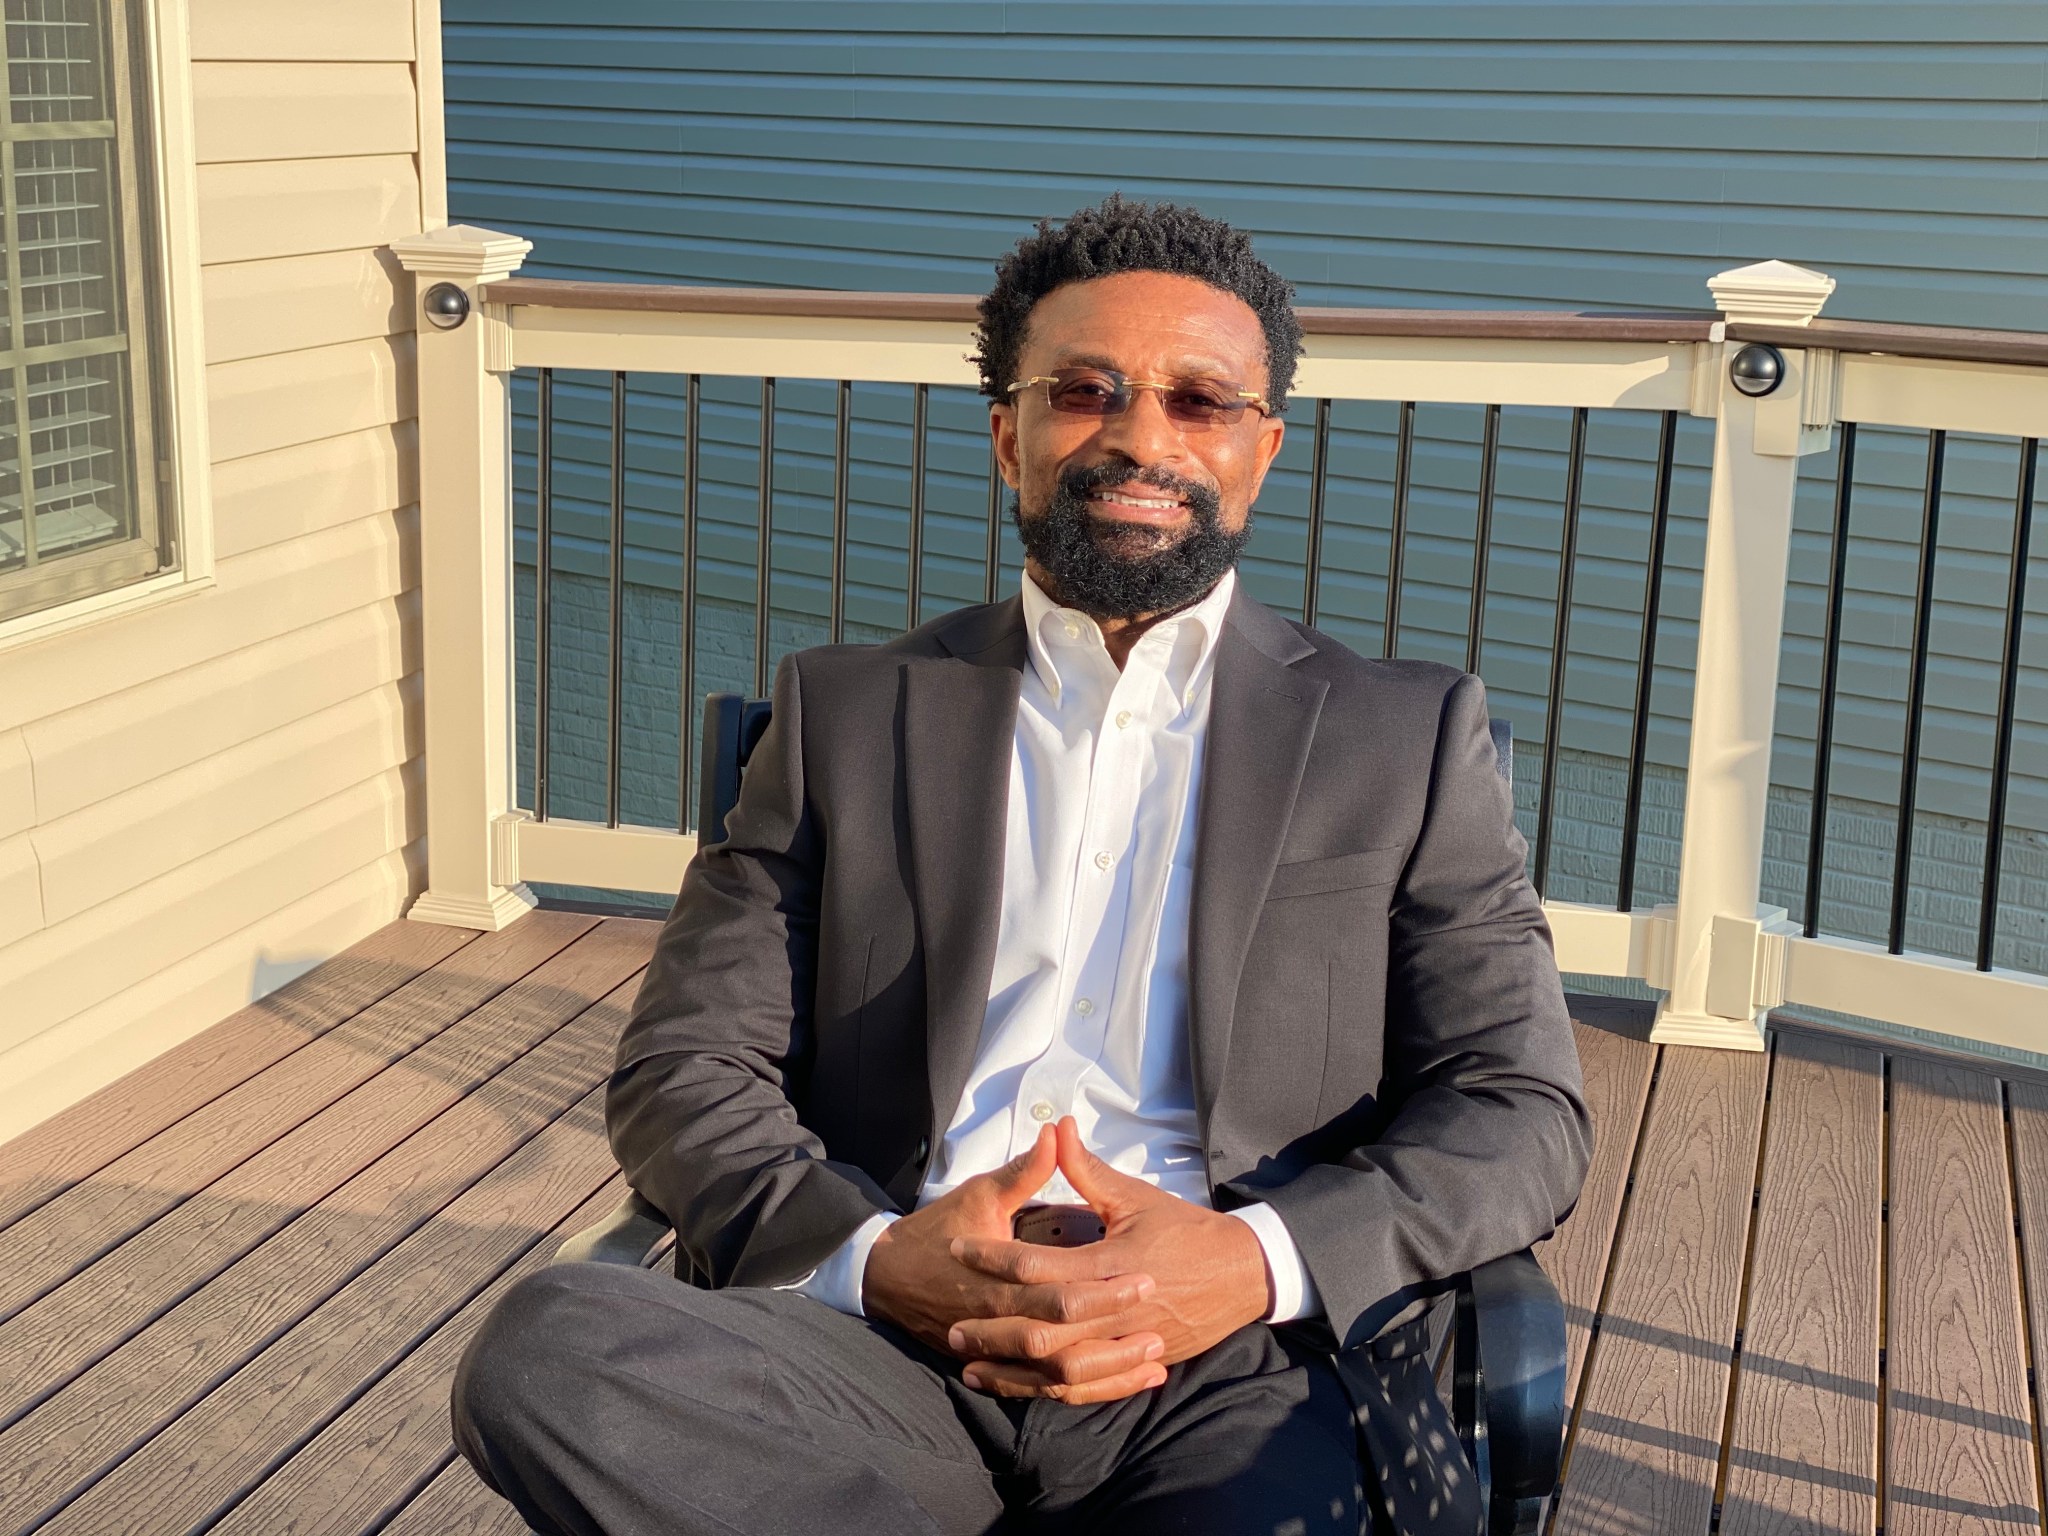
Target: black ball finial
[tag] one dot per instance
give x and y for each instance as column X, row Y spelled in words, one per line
column 446, row 306
column 1757, row 370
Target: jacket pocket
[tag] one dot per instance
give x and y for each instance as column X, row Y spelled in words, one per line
column 1342, row 872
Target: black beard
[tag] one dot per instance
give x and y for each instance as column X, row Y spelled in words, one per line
column 1115, row 570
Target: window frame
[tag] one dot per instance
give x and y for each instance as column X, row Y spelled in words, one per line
column 174, row 433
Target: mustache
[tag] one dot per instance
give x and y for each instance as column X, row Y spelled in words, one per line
column 1078, row 481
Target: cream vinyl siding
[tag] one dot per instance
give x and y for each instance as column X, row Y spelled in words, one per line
column 201, row 800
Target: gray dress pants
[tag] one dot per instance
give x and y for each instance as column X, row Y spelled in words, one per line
column 605, row 1399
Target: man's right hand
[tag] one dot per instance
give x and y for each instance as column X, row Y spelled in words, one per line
column 913, row 1281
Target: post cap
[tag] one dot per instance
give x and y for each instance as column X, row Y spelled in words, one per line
column 1771, row 293
column 462, row 251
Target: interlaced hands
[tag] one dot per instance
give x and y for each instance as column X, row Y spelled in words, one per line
column 1083, row 1325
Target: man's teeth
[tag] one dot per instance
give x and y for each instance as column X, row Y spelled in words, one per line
column 1135, row 501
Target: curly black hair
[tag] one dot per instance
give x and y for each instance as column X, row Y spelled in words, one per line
column 1123, row 235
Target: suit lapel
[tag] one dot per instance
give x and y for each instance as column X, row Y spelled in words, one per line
column 1262, row 717
column 960, row 719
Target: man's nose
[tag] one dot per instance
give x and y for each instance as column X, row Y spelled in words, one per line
column 1144, row 433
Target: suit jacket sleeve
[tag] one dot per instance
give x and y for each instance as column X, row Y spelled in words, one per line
column 697, row 1110
column 1488, row 1139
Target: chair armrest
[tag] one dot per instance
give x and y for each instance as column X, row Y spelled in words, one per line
column 1508, row 1385
column 627, row 1236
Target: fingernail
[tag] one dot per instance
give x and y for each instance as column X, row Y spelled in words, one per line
column 956, row 1340
column 1146, row 1286
column 971, row 1379
column 1155, row 1349
column 1161, row 1381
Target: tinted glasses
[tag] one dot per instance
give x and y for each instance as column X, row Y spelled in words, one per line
column 1105, row 392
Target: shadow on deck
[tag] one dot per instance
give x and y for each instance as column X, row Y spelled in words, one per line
column 233, row 1285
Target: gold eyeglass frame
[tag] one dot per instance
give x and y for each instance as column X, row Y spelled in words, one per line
column 1250, row 397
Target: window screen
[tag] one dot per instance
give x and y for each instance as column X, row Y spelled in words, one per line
column 81, row 503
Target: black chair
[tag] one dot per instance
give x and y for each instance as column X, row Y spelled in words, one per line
column 1508, row 1335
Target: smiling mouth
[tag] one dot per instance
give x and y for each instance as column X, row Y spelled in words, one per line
column 1137, row 501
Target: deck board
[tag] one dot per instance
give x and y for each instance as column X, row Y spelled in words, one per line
column 48, row 1159
column 62, row 1237
column 2028, row 1106
column 456, row 1503
column 1959, row 1434
column 1802, row 1448
column 1645, row 1451
column 1617, row 1060
column 123, row 1292
column 384, row 1447
column 136, row 1390
column 219, row 1449
column 304, row 1223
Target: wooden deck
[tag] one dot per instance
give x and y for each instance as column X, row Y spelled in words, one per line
column 233, row 1285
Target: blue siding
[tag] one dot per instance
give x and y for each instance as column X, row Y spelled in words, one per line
column 1585, row 155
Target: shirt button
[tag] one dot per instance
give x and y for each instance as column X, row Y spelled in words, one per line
column 1104, row 860
column 1041, row 1111
column 1123, row 718
column 1084, row 1007
column 1073, row 631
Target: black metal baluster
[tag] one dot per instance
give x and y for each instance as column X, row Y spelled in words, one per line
column 1482, row 534
column 841, row 454
column 920, row 400
column 1404, row 453
column 990, row 556
column 1574, row 483
column 614, row 680
column 543, row 586
column 764, row 532
column 1318, row 488
column 1830, row 666
column 693, row 389
column 1916, row 686
column 2008, row 686
column 1646, row 664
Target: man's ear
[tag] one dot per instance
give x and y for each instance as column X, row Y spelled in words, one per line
column 1265, row 449
column 1002, row 431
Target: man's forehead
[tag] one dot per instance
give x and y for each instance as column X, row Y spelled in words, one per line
column 1089, row 322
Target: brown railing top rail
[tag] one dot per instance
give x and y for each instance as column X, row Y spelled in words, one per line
column 959, row 308
column 1946, row 342
column 1930, row 341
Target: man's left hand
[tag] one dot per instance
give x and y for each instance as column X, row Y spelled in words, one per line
column 1209, row 1270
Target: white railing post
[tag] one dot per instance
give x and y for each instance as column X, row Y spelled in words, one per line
column 465, row 575
column 1727, row 951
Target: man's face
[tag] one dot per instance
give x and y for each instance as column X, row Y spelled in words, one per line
column 1136, row 513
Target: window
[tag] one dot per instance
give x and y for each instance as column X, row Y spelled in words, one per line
column 86, row 499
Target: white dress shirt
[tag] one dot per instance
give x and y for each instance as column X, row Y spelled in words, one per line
column 1088, row 1002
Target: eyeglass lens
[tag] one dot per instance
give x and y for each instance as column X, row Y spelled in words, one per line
column 1102, row 392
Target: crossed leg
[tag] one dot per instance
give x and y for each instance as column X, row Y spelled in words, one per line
column 1253, row 1435
column 601, row 1399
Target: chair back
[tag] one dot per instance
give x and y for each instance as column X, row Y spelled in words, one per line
column 1503, row 734
column 734, row 723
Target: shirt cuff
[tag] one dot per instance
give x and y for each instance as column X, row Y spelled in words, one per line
column 1294, row 1289
column 837, row 1281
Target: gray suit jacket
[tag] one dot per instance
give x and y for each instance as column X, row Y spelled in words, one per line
column 1379, row 1041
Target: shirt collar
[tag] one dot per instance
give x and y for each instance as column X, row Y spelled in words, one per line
column 1188, row 638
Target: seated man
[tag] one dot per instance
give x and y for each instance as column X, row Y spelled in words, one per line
column 1125, row 909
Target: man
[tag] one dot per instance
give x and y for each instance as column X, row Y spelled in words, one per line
column 1123, row 910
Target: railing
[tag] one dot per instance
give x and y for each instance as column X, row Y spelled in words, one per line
column 1763, row 384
